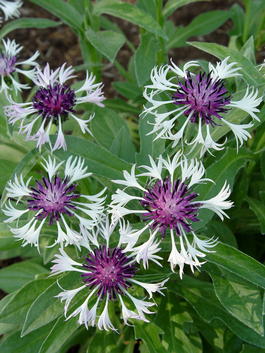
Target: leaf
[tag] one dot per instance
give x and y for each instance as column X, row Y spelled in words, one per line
column 175, row 337
column 250, row 73
column 145, row 58
column 16, row 275
column 258, row 208
column 251, row 349
column 60, row 333
column 122, row 145
column 63, row 10
column 147, row 144
column 19, row 304
column 108, row 43
column 98, row 159
column 222, row 231
column 27, row 23
column 129, row 13
column 29, row 344
column 150, row 334
column 7, row 168
column 224, row 169
column 127, row 89
column 118, row 139
column 238, row 263
column 201, row 25
column 240, row 298
column 46, row 308
column 200, row 295
column 173, row 5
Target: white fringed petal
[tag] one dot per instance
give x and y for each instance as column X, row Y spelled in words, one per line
column 63, row 263
column 219, row 203
column 223, row 70
column 104, row 319
column 18, row 188
column 12, row 212
column 75, row 169
column 249, row 102
column 51, row 166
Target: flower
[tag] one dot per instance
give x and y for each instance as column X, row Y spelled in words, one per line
column 53, row 200
column 10, row 8
column 168, row 203
column 54, row 102
column 200, row 101
column 9, row 65
column 108, row 274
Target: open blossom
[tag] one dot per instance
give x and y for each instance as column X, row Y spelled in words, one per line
column 107, row 274
column 10, row 8
column 53, row 103
column 53, row 199
column 10, row 64
column 170, row 206
column 200, row 101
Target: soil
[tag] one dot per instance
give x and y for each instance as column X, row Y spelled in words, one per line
column 59, row 45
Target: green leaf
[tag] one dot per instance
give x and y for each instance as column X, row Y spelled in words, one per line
column 19, row 304
column 175, row 336
column 59, row 334
column 16, row 275
column 258, row 208
column 27, row 23
column 222, row 231
column 127, row 89
column 46, row 308
column 240, row 298
column 240, row 264
column 7, row 168
column 129, row 13
column 147, row 144
column 173, row 5
column 250, row 73
column 201, row 296
column 201, row 25
column 108, row 43
column 118, row 139
column 98, row 159
column 150, row 334
column 63, row 10
column 122, row 145
column 30, row 344
column 224, row 169
column 145, row 58
column 251, row 349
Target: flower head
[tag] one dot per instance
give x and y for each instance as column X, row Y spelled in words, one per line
column 202, row 99
column 53, row 199
column 169, row 205
column 54, row 102
column 10, row 64
column 108, row 273
column 10, row 8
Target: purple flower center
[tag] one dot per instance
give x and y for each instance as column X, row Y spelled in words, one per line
column 203, row 97
column 109, row 269
column 52, row 198
column 54, row 101
column 7, row 65
column 170, row 206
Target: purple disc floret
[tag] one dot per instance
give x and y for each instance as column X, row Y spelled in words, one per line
column 7, row 64
column 108, row 269
column 203, row 96
column 52, row 198
column 54, row 101
column 170, row 206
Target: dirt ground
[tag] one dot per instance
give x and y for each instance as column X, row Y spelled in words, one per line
column 58, row 45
